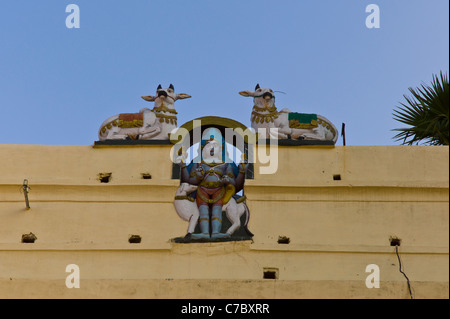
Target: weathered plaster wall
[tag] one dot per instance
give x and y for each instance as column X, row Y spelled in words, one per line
column 336, row 227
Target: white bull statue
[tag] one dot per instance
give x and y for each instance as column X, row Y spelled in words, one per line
column 186, row 207
column 289, row 125
column 155, row 124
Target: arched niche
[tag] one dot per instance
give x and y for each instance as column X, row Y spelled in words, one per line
column 236, row 135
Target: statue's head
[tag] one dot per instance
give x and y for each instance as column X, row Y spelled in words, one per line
column 263, row 98
column 212, row 146
column 165, row 97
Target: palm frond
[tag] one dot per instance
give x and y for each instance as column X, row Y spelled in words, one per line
column 426, row 113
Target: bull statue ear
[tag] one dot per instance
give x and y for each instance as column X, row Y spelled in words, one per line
column 171, row 87
column 149, row 98
column 257, row 87
column 247, row 93
column 183, row 96
column 159, row 87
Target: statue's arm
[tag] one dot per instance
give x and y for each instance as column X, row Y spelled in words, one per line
column 229, row 176
column 195, row 177
column 240, row 178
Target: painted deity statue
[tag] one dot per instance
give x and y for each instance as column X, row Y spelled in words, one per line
column 216, row 181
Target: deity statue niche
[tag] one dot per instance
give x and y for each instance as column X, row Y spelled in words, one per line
column 208, row 194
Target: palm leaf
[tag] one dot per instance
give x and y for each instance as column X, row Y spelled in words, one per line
column 426, row 113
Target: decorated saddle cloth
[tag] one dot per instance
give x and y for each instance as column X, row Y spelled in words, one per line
column 127, row 120
column 302, row 120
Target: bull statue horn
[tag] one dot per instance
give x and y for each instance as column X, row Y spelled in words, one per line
column 159, row 87
column 171, row 87
column 257, row 87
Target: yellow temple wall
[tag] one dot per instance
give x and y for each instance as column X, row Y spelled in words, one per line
column 339, row 207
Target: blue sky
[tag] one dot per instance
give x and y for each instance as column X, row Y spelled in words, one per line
column 57, row 85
